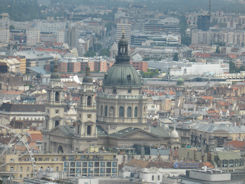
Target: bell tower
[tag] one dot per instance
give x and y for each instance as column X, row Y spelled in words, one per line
column 86, row 125
column 55, row 103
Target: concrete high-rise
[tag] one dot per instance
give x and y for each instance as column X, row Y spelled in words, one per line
column 71, row 36
column 4, row 28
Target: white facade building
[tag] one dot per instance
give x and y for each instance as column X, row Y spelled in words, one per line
column 200, row 69
column 32, row 37
column 155, row 175
column 4, row 35
column 233, row 37
column 60, row 36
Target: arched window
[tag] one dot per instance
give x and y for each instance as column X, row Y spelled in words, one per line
column 57, row 123
column 78, row 129
column 111, row 111
column 121, row 112
column 106, row 109
column 129, row 112
column 135, row 112
column 101, row 110
column 89, row 101
column 57, row 96
column 88, row 130
column 60, row 149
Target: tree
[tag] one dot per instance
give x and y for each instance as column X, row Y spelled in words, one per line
column 104, row 52
column 11, row 27
column 90, row 53
column 217, row 50
column 150, row 73
column 180, row 82
column 176, row 57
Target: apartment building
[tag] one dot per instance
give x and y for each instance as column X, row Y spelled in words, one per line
column 67, row 165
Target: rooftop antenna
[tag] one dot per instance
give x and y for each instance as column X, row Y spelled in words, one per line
column 209, row 8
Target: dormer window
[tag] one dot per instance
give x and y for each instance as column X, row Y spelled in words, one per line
column 129, row 77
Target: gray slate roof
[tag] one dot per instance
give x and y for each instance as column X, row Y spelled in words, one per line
column 7, row 107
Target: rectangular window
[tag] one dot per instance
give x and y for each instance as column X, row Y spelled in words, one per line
column 108, row 170
column 78, row 170
column 66, row 164
column 72, row 172
column 102, row 170
column 11, row 168
column 84, row 171
column 102, row 164
column 108, row 164
column 90, row 164
column 78, row 164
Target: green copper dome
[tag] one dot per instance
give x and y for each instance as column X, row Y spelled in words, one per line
column 122, row 73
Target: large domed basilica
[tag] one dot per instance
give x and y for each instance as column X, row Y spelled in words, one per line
column 114, row 117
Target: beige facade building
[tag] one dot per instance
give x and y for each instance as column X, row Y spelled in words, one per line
column 64, row 165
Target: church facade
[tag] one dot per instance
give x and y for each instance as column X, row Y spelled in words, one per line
column 110, row 118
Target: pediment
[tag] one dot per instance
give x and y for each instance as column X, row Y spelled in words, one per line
column 61, row 131
column 220, row 131
column 135, row 134
column 140, row 135
column 56, row 131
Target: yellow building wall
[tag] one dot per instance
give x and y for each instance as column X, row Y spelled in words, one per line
column 22, row 65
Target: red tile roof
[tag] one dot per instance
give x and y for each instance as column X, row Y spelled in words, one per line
column 35, row 136
column 12, row 92
column 207, row 97
column 236, row 144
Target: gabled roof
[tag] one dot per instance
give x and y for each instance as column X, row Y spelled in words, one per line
column 64, row 130
column 35, row 136
column 7, row 107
